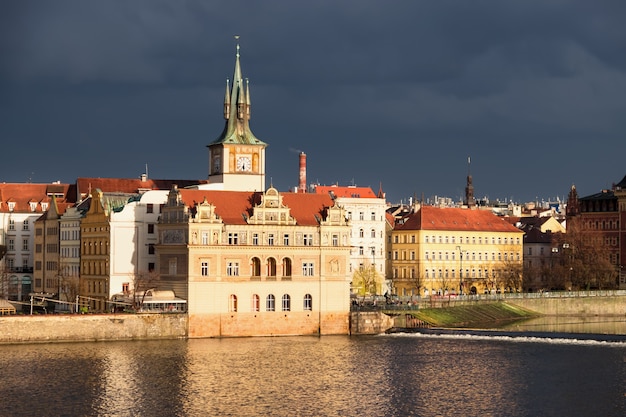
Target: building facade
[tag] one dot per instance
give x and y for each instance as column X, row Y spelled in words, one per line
column 601, row 220
column 366, row 212
column 20, row 206
column 256, row 263
column 445, row 251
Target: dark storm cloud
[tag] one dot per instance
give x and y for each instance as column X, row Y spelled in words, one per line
column 398, row 92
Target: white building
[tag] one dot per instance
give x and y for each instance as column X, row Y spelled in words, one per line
column 366, row 215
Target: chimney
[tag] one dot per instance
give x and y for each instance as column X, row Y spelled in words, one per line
column 302, row 182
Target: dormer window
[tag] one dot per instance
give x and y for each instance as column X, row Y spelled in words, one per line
column 44, row 206
column 11, row 205
column 33, row 206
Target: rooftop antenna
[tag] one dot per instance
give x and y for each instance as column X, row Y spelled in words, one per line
column 147, row 170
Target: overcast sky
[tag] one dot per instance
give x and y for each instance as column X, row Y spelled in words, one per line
column 391, row 92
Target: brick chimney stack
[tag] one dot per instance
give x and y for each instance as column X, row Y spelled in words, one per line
column 302, row 182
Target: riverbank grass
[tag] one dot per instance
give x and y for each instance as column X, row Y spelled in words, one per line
column 473, row 316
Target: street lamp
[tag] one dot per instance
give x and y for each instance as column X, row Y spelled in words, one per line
column 460, row 270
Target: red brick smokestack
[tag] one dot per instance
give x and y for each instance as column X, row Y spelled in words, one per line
column 302, row 183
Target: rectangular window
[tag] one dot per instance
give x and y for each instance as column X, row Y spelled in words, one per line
column 149, row 208
column 151, row 249
column 373, row 216
column 150, row 266
column 233, row 238
column 307, row 269
column 25, row 225
column 232, row 269
column 308, row 239
column 335, row 240
column 11, row 244
column 361, row 215
column 286, row 239
column 270, row 239
column 25, row 244
column 38, row 248
column 11, row 224
column 205, row 238
column 172, row 266
column 255, row 239
column 150, row 228
column 204, row 269
column 360, row 250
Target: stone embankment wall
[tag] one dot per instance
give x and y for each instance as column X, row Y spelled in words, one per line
column 575, row 306
column 90, row 328
column 370, row 322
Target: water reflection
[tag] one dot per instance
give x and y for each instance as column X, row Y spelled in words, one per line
column 391, row 375
column 577, row 324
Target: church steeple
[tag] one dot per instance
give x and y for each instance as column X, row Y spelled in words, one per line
column 470, row 201
column 237, row 110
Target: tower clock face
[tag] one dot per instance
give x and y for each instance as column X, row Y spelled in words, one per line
column 244, row 164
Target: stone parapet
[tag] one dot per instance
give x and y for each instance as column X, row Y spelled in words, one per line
column 90, row 328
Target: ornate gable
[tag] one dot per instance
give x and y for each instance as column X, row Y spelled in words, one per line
column 271, row 210
column 335, row 216
column 205, row 213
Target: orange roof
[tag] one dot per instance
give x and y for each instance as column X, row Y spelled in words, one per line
column 232, row 206
column 346, row 192
column 457, row 219
column 22, row 194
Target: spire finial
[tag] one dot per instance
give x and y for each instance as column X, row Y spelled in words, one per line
column 237, row 40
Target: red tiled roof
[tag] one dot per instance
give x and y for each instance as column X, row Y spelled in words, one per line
column 346, row 192
column 457, row 219
column 128, row 185
column 22, row 194
column 232, row 206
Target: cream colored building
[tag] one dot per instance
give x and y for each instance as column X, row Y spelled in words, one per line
column 256, row 263
column 455, row 251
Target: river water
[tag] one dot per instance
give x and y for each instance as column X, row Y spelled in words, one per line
column 386, row 375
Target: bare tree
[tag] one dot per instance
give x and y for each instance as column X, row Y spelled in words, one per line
column 142, row 282
column 583, row 260
column 510, row 270
column 417, row 279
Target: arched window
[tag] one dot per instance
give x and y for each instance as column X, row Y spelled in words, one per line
column 255, row 303
column 270, row 303
column 373, row 233
column 256, row 267
column 360, row 232
column 308, row 302
column 271, row 267
column 286, row 302
column 286, row 267
column 232, row 303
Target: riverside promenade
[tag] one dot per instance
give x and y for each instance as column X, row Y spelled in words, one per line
column 365, row 319
column 372, row 316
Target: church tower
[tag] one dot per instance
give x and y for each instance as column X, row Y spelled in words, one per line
column 237, row 157
column 470, row 201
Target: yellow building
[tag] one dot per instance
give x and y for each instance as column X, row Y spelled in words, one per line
column 253, row 263
column 455, row 251
column 95, row 238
